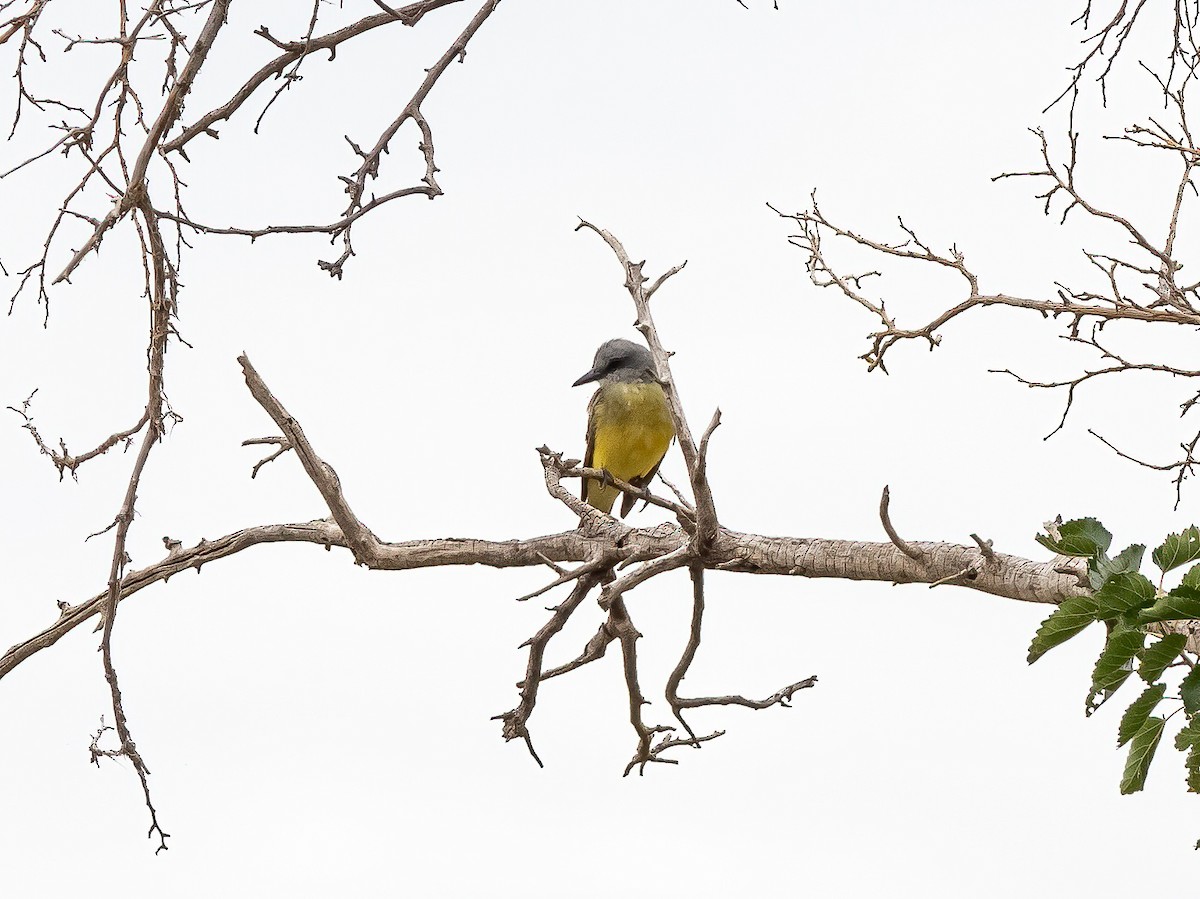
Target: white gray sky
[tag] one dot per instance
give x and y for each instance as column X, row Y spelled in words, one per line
column 313, row 728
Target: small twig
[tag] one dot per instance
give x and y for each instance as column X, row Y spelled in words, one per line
column 1183, row 468
column 780, row 698
column 672, row 742
column 62, row 460
column 967, row 573
column 613, row 590
column 628, row 635
column 515, row 722
column 282, row 442
column 689, row 651
column 564, row 578
column 642, row 493
column 683, row 500
column 913, row 552
column 702, row 455
column 985, row 547
column 594, row 649
column 552, row 565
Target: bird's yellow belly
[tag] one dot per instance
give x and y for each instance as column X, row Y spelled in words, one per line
column 633, row 430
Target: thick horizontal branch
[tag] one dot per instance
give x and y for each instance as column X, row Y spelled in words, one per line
column 1008, row 576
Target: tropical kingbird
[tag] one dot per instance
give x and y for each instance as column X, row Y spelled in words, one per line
column 629, row 422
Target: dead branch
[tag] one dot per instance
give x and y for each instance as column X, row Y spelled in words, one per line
column 1183, row 468
column 62, row 458
column 294, row 51
column 908, row 549
column 1015, row 578
column 600, row 544
column 356, row 183
column 1076, row 307
column 628, row 636
column 134, row 194
column 282, row 444
column 678, row 704
column 635, row 284
column 516, row 721
column 1109, row 40
column 1120, row 365
column 1141, row 285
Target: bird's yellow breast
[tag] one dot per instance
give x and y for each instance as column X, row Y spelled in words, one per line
column 631, row 430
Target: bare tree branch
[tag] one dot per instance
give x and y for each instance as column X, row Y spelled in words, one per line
column 516, row 721
column 1141, row 285
column 293, row 52
column 1006, row 576
column 368, row 170
column 62, row 458
column 635, row 281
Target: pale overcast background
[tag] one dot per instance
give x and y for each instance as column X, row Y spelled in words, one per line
column 317, row 729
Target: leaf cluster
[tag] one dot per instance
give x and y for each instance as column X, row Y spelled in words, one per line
column 1127, row 603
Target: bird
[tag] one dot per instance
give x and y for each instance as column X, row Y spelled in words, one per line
column 629, row 425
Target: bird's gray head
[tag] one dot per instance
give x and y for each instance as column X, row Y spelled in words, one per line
column 621, row 361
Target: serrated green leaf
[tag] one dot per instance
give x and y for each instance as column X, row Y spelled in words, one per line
column 1141, row 753
column 1193, row 770
column 1072, row 616
column 1100, row 569
column 1180, row 604
column 1159, row 655
column 1078, row 537
column 1137, row 713
column 1192, row 578
column 1124, row 592
column 1189, row 735
column 1178, row 549
column 1113, row 668
column 1189, row 691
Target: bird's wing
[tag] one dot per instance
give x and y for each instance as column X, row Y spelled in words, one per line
column 591, row 444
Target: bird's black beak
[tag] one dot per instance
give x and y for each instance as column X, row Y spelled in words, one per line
column 593, row 375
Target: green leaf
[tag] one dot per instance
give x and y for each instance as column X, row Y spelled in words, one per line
column 1192, row 578
column 1141, row 753
column 1193, row 770
column 1078, row 537
column 1124, row 592
column 1189, row 690
column 1113, row 668
column 1101, row 569
column 1159, row 655
column 1137, row 713
column 1072, row 616
column 1181, row 603
column 1178, row 549
column 1190, row 735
